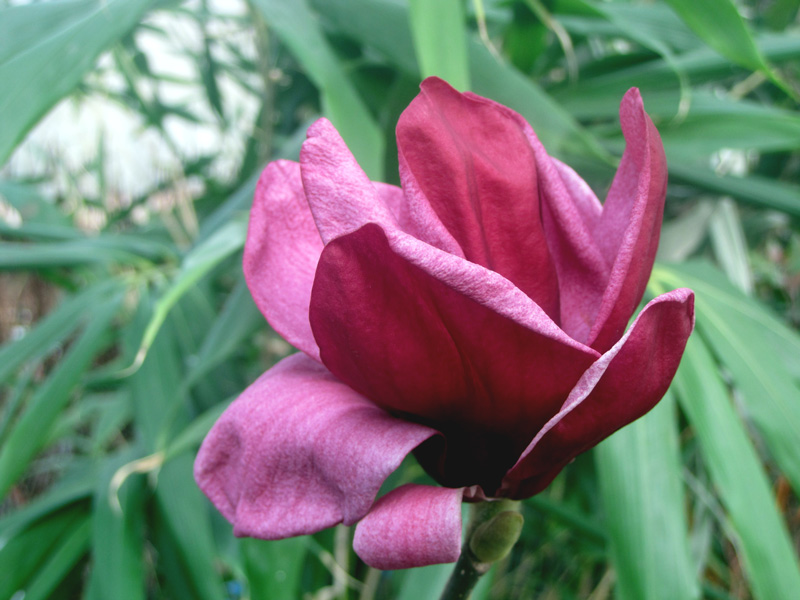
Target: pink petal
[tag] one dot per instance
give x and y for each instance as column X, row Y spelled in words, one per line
column 474, row 165
column 299, row 451
column 412, row 526
column 624, row 384
column 630, row 225
column 342, row 198
column 430, row 335
column 281, row 253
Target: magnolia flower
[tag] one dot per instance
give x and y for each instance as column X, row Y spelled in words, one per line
column 475, row 317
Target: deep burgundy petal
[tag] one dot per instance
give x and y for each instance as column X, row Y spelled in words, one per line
column 447, row 342
column 624, row 384
column 299, row 451
column 412, row 526
column 630, row 225
column 281, row 253
column 474, row 165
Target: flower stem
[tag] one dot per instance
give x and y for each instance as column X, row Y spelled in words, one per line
column 494, row 528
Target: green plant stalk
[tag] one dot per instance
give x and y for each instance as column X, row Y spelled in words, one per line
column 493, row 530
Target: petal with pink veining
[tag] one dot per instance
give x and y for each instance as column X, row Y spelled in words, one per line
column 299, row 451
column 281, row 253
column 342, row 198
column 446, row 342
column 412, row 526
column 624, row 384
column 474, row 165
column 630, row 225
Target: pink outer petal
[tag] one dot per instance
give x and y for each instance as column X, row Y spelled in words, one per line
column 624, row 384
column 281, row 253
column 425, row 333
column 342, row 198
column 299, row 451
column 412, row 526
column 630, row 225
column 472, row 162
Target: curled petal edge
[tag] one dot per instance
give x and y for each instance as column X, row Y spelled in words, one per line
column 411, row 526
column 572, row 431
column 299, row 452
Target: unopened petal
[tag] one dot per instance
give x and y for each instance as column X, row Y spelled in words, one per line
column 624, row 384
column 281, row 253
column 412, row 526
column 472, row 161
column 299, row 451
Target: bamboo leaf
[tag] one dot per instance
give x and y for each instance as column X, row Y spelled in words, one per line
column 204, row 257
column 720, row 25
column 274, row 568
column 117, row 535
column 68, row 551
column 642, row 491
column 33, row 428
column 754, row 346
column 761, row 539
column 48, row 48
column 440, row 40
column 298, row 28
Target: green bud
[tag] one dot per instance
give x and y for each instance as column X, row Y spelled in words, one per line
column 494, row 539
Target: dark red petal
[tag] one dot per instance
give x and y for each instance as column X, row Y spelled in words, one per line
column 299, row 451
column 412, row 526
column 630, row 225
column 388, row 326
column 624, row 384
column 475, row 167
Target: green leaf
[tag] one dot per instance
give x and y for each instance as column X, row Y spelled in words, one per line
column 117, row 535
column 274, row 569
column 440, row 40
column 47, row 49
column 760, row 537
column 382, row 25
column 67, row 552
column 185, row 514
column 23, row 554
column 197, row 263
column 298, row 28
column 236, row 322
column 53, row 329
column 752, row 189
column 640, row 479
column 751, row 344
column 730, row 247
column 70, row 489
column 713, row 123
column 720, row 25
column 33, row 428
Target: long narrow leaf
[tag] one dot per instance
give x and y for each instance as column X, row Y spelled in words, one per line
column 769, row 559
column 297, row 26
column 641, row 485
column 752, row 344
column 47, row 49
column 31, row 431
column 440, row 40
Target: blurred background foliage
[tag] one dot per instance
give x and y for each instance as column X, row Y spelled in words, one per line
column 133, row 132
